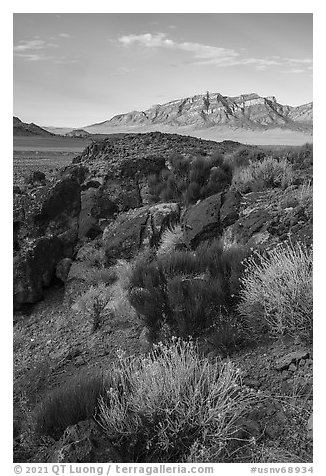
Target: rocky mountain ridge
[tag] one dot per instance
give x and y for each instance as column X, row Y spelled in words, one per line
column 211, row 110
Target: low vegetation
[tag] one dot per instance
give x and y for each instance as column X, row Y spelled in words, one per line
column 269, row 173
column 93, row 302
column 181, row 401
column 187, row 291
column 277, row 291
column 190, row 179
column 75, row 401
column 173, row 406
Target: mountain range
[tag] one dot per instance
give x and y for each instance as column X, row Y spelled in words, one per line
column 246, row 118
column 212, row 110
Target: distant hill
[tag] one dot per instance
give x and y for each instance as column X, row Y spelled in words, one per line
column 58, row 131
column 23, row 129
column 217, row 117
column 78, row 133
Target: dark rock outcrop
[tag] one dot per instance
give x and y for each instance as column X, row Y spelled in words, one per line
column 34, row 268
column 137, row 228
column 230, row 208
column 202, row 221
column 45, row 231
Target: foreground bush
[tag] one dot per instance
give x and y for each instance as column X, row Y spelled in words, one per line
column 172, row 404
column 75, row 401
column 187, row 291
column 277, row 291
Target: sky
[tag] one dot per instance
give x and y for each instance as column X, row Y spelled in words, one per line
column 77, row 69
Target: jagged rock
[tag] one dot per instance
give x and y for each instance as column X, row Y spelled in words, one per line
column 62, row 269
column 202, row 221
column 34, row 268
column 264, row 223
column 76, row 172
column 57, row 207
column 45, row 231
column 86, row 220
column 229, row 212
column 50, row 210
column 138, row 228
column 256, row 221
column 124, row 237
column 84, row 443
column 294, row 357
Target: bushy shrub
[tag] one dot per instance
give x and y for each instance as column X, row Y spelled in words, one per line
column 226, row 264
column 277, row 292
column 171, row 401
column 300, row 157
column 191, row 179
column 185, row 289
column 270, row 173
column 70, row 403
column 245, row 155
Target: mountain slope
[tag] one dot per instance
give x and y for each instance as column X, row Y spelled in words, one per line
column 207, row 111
column 23, row 129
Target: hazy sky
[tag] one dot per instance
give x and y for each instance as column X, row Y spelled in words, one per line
column 77, row 69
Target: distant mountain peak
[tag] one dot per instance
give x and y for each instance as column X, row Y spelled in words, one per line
column 212, row 110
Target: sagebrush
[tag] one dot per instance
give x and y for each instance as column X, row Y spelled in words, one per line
column 277, row 291
column 172, row 401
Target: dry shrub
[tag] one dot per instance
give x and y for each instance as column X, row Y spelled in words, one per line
column 269, row 173
column 171, row 240
column 119, row 304
column 277, row 291
column 93, row 302
column 171, row 400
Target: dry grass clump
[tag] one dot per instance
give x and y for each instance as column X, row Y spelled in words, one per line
column 269, row 173
column 170, row 402
column 93, row 302
column 277, row 290
column 171, row 240
column 103, row 300
column 118, row 303
column 304, row 193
